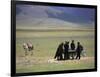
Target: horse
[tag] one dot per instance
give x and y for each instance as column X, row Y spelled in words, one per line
column 28, row 47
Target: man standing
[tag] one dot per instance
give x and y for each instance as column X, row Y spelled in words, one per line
column 59, row 52
column 72, row 45
column 78, row 50
column 66, row 48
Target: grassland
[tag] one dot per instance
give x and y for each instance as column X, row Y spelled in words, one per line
column 45, row 45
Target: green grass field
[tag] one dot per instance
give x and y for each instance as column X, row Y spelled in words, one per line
column 45, row 45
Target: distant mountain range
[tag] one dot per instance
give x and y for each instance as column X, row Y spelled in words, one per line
column 33, row 16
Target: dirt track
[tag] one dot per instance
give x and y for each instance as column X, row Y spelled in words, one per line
column 29, row 61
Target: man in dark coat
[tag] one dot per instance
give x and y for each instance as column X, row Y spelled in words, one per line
column 72, row 45
column 59, row 52
column 66, row 48
column 79, row 50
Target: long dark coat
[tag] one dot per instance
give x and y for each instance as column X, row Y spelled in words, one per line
column 66, row 54
column 78, row 51
column 59, row 52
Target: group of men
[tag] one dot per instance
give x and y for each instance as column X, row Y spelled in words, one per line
column 63, row 49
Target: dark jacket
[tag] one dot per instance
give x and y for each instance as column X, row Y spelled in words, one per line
column 79, row 48
column 72, row 46
column 66, row 47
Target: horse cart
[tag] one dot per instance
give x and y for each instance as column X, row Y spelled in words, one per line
column 72, row 53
